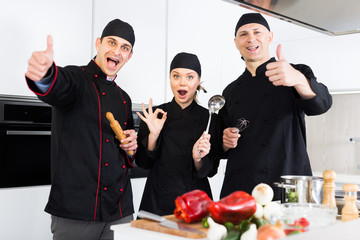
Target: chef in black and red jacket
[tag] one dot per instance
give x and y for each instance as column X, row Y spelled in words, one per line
column 90, row 184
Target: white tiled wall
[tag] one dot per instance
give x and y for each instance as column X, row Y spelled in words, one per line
column 328, row 136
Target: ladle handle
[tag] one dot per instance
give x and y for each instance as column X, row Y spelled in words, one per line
column 208, row 124
column 207, row 128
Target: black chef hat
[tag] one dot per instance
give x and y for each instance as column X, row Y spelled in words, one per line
column 120, row 29
column 186, row 60
column 251, row 18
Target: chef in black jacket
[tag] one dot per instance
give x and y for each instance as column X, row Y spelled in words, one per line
column 273, row 97
column 172, row 141
column 90, row 184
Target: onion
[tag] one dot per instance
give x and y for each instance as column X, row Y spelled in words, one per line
column 259, row 211
column 270, row 232
column 272, row 209
column 250, row 234
column 216, row 231
column 263, row 193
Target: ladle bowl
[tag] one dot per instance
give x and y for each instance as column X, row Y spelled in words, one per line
column 215, row 103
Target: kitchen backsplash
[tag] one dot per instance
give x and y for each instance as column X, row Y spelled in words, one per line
column 328, row 136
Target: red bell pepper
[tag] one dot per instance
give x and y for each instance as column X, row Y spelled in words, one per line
column 192, row 206
column 233, row 208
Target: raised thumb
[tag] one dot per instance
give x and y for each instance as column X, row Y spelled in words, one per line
column 279, row 54
column 49, row 48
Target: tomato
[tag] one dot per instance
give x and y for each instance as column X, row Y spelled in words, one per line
column 301, row 222
column 270, row 232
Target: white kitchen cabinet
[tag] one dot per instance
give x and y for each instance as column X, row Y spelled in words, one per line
column 22, row 213
column 163, row 28
column 144, row 74
column 24, row 28
column 206, row 28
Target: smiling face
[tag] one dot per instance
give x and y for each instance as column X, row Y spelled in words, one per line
column 253, row 40
column 184, row 83
column 112, row 53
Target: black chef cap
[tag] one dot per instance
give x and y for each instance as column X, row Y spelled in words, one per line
column 251, row 18
column 186, row 60
column 120, row 29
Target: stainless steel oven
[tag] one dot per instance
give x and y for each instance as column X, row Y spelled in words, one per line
column 25, row 136
column 25, row 142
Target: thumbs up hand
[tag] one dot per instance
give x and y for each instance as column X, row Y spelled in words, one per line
column 40, row 62
column 281, row 73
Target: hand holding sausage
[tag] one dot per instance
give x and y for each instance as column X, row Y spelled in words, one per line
column 129, row 143
column 127, row 138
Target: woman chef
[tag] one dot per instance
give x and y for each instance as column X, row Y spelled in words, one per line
column 172, row 142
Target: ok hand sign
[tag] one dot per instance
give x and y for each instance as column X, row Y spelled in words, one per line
column 151, row 119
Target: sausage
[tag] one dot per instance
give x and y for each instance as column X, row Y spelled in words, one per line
column 115, row 126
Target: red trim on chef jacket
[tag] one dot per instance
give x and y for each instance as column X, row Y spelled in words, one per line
column 98, row 185
column 122, row 189
column 52, row 84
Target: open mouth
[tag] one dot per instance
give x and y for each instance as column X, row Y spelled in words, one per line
column 253, row 48
column 182, row 92
column 112, row 62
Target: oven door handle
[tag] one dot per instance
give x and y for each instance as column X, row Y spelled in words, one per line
column 28, row 133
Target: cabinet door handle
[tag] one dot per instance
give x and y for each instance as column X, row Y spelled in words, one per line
column 28, row 133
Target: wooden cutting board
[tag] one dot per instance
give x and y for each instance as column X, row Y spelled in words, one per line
column 154, row 226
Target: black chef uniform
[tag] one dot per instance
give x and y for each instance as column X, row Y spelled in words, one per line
column 274, row 144
column 172, row 170
column 89, row 171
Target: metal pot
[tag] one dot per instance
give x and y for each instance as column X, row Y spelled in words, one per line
column 301, row 189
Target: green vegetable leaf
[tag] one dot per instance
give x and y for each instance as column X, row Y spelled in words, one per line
column 233, row 235
column 229, row 226
column 244, row 226
column 205, row 222
column 259, row 221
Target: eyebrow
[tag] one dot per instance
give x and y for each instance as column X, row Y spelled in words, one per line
column 112, row 39
column 124, row 44
column 253, row 29
column 192, row 72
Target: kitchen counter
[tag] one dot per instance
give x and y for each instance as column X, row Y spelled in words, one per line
column 343, row 231
column 127, row 232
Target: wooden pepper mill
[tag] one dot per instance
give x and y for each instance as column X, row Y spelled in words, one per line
column 329, row 188
column 350, row 210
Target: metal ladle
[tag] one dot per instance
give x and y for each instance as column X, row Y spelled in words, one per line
column 215, row 103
